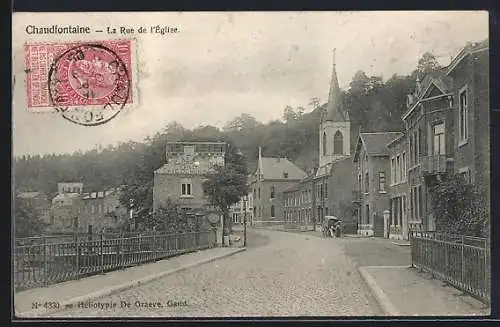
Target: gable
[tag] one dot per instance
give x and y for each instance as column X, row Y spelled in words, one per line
column 432, row 91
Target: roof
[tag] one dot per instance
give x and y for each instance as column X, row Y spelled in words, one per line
column 190, row 165
column 327, row 169
column 292, row 188
column 375, row 143
column 334, row 110
column 396, row 140
column 99, row 195
column 65, row 198
column 442, row 81
column 28, row 195
column 471, row 47
column 276, row 168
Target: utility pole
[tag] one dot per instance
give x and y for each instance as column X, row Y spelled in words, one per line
column 245, row 220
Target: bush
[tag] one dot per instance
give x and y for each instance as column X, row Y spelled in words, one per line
column 460, row 207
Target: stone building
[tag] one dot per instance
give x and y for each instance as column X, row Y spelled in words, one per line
column 398, row 187
column 372, row 169
column 181, row 178
column 270, row 179
column 333, row 182
column 447, row 121
column 298, row 202
column 102, row 211
column 66, row 210
column 329, row 190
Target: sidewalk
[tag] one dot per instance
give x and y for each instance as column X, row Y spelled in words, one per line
column 71, row 292
column 404, row 291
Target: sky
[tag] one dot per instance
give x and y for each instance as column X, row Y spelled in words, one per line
column 220, row 65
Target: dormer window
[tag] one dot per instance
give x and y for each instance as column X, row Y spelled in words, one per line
column 285, row 175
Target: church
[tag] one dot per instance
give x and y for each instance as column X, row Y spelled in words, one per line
column 333, row 180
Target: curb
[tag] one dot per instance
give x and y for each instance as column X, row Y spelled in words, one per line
column 382, row 299
column 401, row 244
column 125, row 286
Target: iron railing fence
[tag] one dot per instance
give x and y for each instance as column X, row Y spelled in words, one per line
column 462, row 261
column 48, row 261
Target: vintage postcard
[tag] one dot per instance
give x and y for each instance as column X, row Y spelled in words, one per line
column 251, row 164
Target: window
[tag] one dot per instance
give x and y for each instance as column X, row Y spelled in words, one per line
column 272, row 211
column 359, row 182
column 411, row 149
column 439, row 139
column 420, row 203
column 398, row 169
column 254, row 193
column 415, row 148
column 186, row 188
column 326, row 189
column 463, row 113
column 324, row 143
column 404, row 167
column 272, row 192
column 338, row 141
column 393, row 171
column 285, row 175
column 381, row 181
column 259, row 192
column 367, row 184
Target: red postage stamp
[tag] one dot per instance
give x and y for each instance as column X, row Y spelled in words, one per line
column 76, row 77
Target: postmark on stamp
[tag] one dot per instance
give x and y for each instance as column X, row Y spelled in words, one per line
column 88, row 83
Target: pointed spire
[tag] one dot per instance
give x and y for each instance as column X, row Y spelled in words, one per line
column 335, row 112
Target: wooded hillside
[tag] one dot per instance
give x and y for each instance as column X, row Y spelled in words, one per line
column 373, row 105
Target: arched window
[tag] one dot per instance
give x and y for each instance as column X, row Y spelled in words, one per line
column 272, row 211
column 338, row 142
column 324, row 143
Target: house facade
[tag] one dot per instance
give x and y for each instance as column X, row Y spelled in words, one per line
column 271, row 178
column 66, row 213
column 447, row 128
column 102, row 211
column 298, row 202
column 371, row 166
column 398, row 187
column 181, row 178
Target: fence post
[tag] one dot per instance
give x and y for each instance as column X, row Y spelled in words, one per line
column 463, row 262
column 102, row 253
column 122, row 250
column 77, row 256
column 486, row 268
column 155, row 250
column 44, row 261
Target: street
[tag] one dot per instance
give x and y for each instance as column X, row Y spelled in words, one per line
column 280, row 274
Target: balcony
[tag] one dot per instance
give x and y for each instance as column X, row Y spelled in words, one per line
column 356, row 196
column 436, row 164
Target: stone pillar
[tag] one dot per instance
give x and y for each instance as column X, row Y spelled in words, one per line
column 386, row 223
column 393, row 211
column 400, row 211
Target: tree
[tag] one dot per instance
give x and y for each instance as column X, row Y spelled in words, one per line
column 460, row 207
column 227, row 184
column 314, row 102
column 27, row 222
column 168, row 218
column 426, row 64
column 289, row 115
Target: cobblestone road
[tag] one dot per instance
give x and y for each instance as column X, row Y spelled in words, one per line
column 287, row 275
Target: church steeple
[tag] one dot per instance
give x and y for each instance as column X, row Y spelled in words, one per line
column 335, row 111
